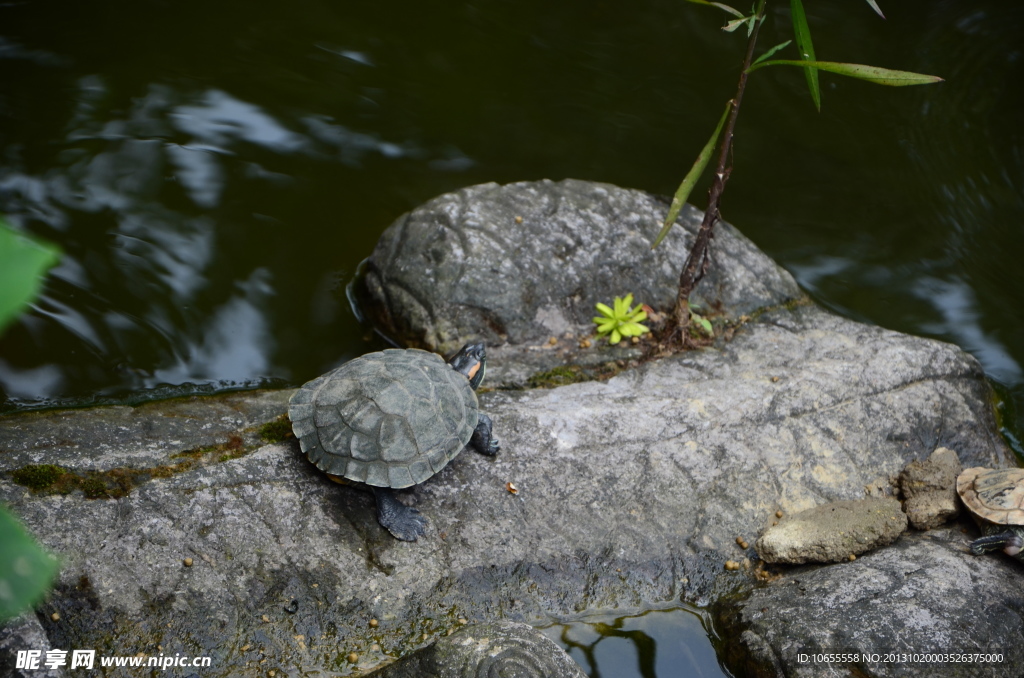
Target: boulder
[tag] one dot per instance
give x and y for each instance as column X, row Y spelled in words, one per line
column 519, row 265
column 921, row 607
column 630, row 490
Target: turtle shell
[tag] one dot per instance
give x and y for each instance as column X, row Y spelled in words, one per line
column 994, row 495
column 390, row 419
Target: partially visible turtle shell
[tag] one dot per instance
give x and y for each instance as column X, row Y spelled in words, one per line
column 390, row 419
column 995, row 495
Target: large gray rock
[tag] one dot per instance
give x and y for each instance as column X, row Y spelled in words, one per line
column 495, row 650
column 630, row 490
column 924, row 596
column 519, row 264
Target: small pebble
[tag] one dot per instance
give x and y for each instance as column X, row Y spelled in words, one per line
column 585, row 343
column 271, row 673
column 423, row 637
column 553, row 340
column 775, row 379
column 519, row 220
column 635, row 340
column 373, row 623
column 463, row 620
column 375, row 648
column 511, row 488
column 188, row 562
column 853, row 556
column 732, row 565
column 352, row 657
column 266, row 618
column 55, row 616
column 778, row 514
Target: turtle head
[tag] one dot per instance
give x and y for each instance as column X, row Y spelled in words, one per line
column 470, row 361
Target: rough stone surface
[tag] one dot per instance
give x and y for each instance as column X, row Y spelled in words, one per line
column 491, row 650
column 630, row 490
column 929, row 489
column 25, row 633
column 923, row 595
column 833, row 532
column 516, row 265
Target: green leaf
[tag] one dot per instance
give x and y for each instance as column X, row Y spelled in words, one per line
column 23, row 262
column 603, row 308
column 874, row 6
column 879, row 76
column 719, row 5
column 772, row 51
column 734, row 24
column 803, row 43
column 26, row 571
column 615, row 338
column 683, row 192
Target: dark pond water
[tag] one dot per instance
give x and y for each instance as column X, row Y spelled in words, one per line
column 215, row 171
column 656, row 643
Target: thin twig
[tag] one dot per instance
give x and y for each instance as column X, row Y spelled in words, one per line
column 699, row 258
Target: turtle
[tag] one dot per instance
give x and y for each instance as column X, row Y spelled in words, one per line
column 392, row 419
column 995, row 497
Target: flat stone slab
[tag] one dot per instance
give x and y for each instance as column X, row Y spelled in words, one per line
column 833, row 532
column 921, row 607
column 630, row 490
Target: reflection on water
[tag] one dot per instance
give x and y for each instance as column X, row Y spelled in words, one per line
column 664, row 643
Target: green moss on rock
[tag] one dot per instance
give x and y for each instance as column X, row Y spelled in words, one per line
column 38, row 476
column 277, row 430
column 574, row 374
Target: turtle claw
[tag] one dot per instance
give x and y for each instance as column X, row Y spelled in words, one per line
column 482, row 440
column 404, row 522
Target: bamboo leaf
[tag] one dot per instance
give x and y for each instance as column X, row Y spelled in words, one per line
column 874, row 6
column 683, row 192
column 879, row 76
column 23, row 263
column 772, row 51
column 719, row 5
column 734, row 24
column 802, row 32
column 26, row 571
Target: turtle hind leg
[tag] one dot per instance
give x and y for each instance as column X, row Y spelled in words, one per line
column 482, row 440
column 404, row 522
column 1009, row 542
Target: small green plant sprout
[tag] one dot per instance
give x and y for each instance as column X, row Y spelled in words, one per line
column 620, row 321
column 700, row 325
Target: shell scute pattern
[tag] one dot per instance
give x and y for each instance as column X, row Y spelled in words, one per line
column 997, row 495
column 390, row 419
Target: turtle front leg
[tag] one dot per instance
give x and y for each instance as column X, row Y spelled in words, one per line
column 1010, row 543
column 403, row 521
column 482, row 440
